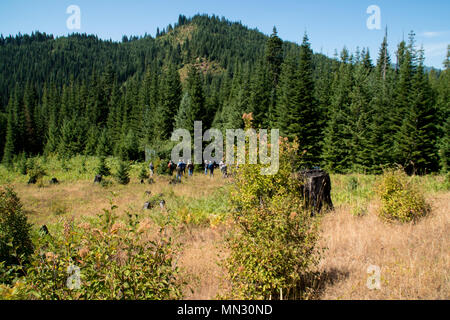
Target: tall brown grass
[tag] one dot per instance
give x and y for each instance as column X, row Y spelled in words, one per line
column 414, row 258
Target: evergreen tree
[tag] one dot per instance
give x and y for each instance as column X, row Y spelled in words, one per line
column 238, row 102
column 102, row 168
column 3, row 126
column 401, row 102
column 384, row 60
column 9, row 149
column 196, row 96
column 72, row 137
column 416, row 139
column 274, row 60
column 358, row 121
column 123, row 173
column 170, row 102
column 304, row 116
column 129, row 146
column 91, row 142
column 274, row 56
column 287, row 95
column 337, row 141
column 443, row 109
column 52, row 136
column 182, row 118
column 260, row 96
column 103, row 147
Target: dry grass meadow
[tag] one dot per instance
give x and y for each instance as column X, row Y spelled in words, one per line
column 414, row 258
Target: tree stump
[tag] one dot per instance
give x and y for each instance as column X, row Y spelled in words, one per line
column 316, row 190
column 98, row 178
column 147, row 206
column 44, row 230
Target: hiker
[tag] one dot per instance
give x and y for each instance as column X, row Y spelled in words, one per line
column 225, row 171
column 152, row 169
column 206, row 167
column 183, row 166
column 179, row 170
column 171, row 167
column 190, row 167
column 211, row 169
column 223, row 168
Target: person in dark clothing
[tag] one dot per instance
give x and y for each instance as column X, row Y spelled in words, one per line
column 183, row 167
column 171, row 167
column 190, row 167
column 152, row 169
column 211, row 169
column 179, row 171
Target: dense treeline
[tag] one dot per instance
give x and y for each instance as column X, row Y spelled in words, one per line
column 82, row 95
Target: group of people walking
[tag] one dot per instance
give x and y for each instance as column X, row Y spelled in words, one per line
column 181, row 166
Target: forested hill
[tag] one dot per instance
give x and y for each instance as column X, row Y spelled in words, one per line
column 40, row 58
column 83, row 95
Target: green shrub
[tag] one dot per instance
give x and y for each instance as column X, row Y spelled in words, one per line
column 123, row 173
column 400, row 198
column 273, row 251
column 36, row 173
column 103, row 259
column 15, row 241
column 143, row 174
column 161, row 167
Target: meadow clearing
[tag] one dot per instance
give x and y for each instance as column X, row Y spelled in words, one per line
column 414, row 258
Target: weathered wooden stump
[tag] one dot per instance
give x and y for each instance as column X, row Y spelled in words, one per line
column 148, row 206
column 98, row 178
column 316, row 190
column 44, row 230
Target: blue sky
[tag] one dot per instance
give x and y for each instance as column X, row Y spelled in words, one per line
column 329, row 24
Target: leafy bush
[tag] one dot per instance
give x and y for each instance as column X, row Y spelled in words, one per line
column 143, row 174
column 15, row 242
column 103, row 259
column 161, row 167
column 36, row 173
column 400, row 198
column 273, row 251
